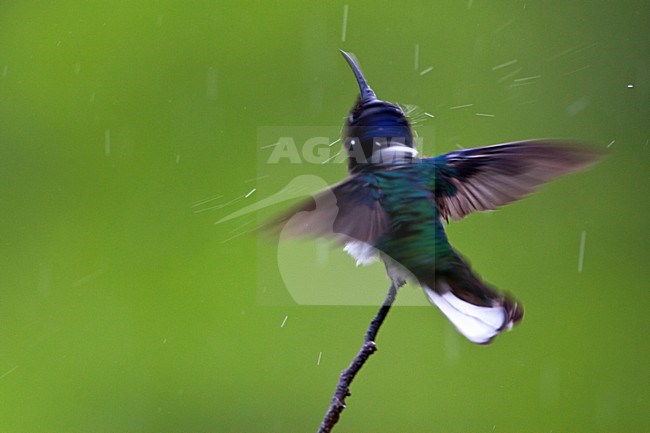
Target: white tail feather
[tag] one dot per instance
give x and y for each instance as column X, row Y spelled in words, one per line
column 478, row 324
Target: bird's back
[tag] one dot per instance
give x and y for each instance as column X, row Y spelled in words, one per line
column 416, row 238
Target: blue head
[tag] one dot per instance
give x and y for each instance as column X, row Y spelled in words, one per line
column 376, row 131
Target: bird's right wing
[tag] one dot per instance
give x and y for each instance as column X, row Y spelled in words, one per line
column 484, row 178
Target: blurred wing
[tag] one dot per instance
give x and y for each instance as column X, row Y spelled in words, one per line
column 484, row 178
column 349, row 210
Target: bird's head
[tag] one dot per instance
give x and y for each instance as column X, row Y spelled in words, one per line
column 375, row 131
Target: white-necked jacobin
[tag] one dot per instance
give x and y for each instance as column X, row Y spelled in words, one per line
column 393, row 205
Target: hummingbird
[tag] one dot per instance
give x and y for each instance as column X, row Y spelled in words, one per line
column 394, row 205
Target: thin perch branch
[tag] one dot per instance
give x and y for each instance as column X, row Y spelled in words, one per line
column 347, row 376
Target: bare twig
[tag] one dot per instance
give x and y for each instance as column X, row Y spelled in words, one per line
column 347, row 376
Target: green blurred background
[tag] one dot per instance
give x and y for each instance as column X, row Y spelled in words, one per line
column 127, row 129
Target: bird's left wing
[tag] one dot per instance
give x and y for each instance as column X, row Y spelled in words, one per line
column 349, row 210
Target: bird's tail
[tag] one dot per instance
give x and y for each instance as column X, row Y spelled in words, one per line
column 478, row 311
